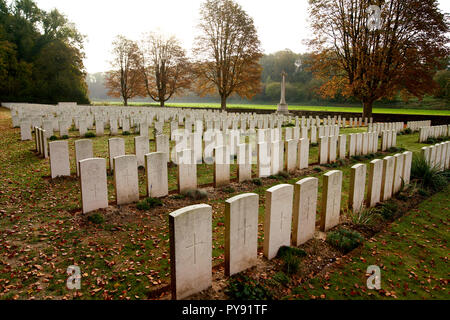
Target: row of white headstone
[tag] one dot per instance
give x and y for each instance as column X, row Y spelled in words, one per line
column 416, row 125
column 385, row 126
column 433, row 132
column 438, row 155
column 290, row 219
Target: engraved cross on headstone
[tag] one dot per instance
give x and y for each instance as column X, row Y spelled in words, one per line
column 194, row 246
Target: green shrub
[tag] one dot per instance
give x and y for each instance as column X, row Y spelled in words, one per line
column 283, row 175
column 53, row 138
column 228, row 189
column 65, row 137
column 149, row 203
column 357, row 158
column 288, row 125
column 427, row 176
column 407, row 131
column 90, row 135
column 257, row 182
column 364, row 217
column 126, row 133
column 96, row 218
column 291, row 258
column 197, row 194
column 345, row 240
column 423, row 192
column 178, row 196
column 388, row 210
column 281, row 278
column 241, row 287
column 317, row 169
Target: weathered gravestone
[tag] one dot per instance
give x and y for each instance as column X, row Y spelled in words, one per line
column 156, row 171
column 116, row 148
column 407, row 156
column 357, row 187
column 94, row 191
column 83, row 150
column 241, row 233
column 187, row 171
column 277, row 219
column 244, row 156
column 398, row 173
column 331, row 199
column 388, row 178
column 141, row 148
column 59, row 158
column 126, row 179
column 221, row 166
column 304, row 210
column 190, row 250
column 375, row 181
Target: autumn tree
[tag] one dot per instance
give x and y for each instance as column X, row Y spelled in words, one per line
column 371, row 58
column 165, row 69
column 125, row 79
column 229, row 51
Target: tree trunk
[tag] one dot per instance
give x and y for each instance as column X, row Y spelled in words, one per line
column 161, row 103
column 125, row 101
column 223, row 103
column 367, row 109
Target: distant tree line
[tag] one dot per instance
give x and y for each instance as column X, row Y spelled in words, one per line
column 41, row 56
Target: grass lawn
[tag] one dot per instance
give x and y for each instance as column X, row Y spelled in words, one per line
column 412, row 255
column 42, row 230
column 297, row 107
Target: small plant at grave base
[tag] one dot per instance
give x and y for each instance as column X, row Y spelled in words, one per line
column 96, row 218
column 427, row 176
column 378, row 154
column 178, row 196
column 282, row 175
column 314, row 144
column 345, row 240
column 388, row 210
column 65, row 137
column 126, row 133
column 281, row 278
column 149, row 203
column 364, row 217
column 90, row 135
column 272, row 177
column 423, row 192
column 241, row 287
column 357, row 158
column 291, row 258
column 197, row 194
column 53, row 138
column 317, row 169
column 228, row 189
column 257, row 182
column 288, row 125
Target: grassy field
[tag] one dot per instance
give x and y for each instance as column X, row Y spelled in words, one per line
column 296, row 107
column 412, row 255
column 124, row 255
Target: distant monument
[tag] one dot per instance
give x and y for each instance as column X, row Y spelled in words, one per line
column 283, row 107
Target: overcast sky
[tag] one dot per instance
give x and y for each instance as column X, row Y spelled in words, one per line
column 281, row 24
